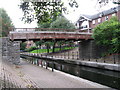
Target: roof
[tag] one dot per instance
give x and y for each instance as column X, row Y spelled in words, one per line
column 103, row 13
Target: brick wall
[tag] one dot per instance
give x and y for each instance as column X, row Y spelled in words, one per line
column 118, row 15
column 102, row 20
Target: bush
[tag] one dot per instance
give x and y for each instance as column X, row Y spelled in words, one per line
column 23, row 46
column 107, row 34
column 31, row 49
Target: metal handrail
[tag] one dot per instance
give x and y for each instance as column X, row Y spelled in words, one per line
column 47, row 29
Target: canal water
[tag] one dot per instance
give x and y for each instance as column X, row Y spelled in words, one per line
column 104, row 77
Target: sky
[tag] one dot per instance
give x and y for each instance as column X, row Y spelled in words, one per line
column 88, row 7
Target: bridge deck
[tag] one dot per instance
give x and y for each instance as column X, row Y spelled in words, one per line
column 30, row 34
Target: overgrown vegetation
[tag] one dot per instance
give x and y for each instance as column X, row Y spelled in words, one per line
column 6, row 24
column 50, row 50
column 107, row 34
column 23, row 46
column 31, row 49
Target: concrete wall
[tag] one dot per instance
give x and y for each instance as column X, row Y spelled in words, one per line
column 89, row 50
column 11, row 50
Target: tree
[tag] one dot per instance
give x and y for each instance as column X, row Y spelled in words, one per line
column 6, row 24
column 44, row 11
column 107, row 34
column 39, row 43
column 23, row 46
column 45, row 25
column 62, row 22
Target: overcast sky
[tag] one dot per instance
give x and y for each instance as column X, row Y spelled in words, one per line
column 85, row 7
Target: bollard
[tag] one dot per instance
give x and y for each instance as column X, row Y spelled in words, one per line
column 64, row 55
column 104, row 59
column 37, row 62
column 68, row 54
column 60, row 67
column 32, row 61
column 96, row 60
column 52, row 56
column 77, row 56
column 46, row 65
column 53, row 67
column 72, row 55
column 114, row 59
column 41, row 64
column 89, row 59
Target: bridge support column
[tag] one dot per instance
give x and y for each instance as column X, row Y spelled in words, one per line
column 89, row 50
column 11, row 50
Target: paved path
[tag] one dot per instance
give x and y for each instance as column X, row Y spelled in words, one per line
column 28, row 75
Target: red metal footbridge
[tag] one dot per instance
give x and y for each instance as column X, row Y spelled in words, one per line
column 23, row 34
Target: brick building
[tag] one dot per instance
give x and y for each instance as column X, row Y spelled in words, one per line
column 30, row 44
column 88, row 22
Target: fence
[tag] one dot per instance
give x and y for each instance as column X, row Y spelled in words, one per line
column 112, row 59
column 48, row 29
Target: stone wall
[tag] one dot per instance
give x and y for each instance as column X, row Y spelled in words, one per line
column 88, row 49
column 11, row 50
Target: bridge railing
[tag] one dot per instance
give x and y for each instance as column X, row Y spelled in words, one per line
column 47, row 29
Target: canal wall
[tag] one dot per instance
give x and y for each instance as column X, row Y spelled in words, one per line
column 89, row 50
column 113, row 67
column 10, row 50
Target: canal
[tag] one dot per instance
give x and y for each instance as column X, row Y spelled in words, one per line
column 104, row 77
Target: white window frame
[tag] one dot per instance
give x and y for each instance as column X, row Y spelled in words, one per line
column 93, row 22
column 99, row 20
column 113, row 14
column 106, row 18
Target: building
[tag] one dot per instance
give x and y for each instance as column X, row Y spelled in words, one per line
column 87, row 22
column 29, row 44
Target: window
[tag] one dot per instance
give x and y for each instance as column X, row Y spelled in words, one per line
column 113, row 14
column 99, row 20
column 84, row 25
column 106, row 18
column 93, row 22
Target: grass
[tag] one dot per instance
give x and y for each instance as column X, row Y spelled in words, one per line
column 50, row 50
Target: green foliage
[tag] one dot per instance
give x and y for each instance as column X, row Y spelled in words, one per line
column 23, row 46
column 45, row 25
column 50, row 50
column 44, row 11
column 39, row 43
column 108, row 34
column 31, row 49
column 62, row 22
column 5, row 23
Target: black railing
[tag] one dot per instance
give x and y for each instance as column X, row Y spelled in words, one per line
column 112, row 59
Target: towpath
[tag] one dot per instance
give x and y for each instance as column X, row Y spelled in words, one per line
column 28, row 75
